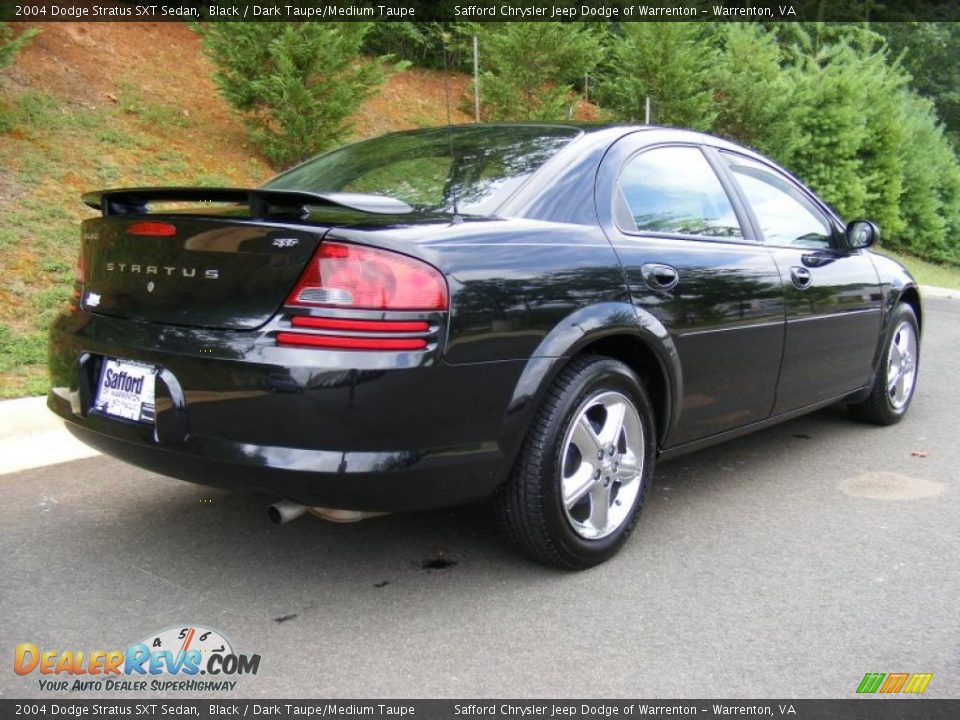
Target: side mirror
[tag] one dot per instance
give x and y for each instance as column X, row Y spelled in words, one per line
column 862, row 234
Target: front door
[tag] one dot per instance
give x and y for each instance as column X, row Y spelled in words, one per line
column 832, row 293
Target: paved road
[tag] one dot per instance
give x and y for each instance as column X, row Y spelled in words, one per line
column 778, row 565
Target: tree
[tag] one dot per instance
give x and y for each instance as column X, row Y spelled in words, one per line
column 931, row 181
column 667, row 62
column 828, row 126
column 931, row 54
column 294, row 83
column 528, row 68
column 750, row 92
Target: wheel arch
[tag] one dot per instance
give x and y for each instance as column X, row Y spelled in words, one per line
column 911, row 296
column 613, row 329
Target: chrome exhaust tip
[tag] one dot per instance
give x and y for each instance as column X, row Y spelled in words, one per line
column 283, row 511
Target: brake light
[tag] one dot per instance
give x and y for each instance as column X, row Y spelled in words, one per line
column 355, row 276
column 152, row 228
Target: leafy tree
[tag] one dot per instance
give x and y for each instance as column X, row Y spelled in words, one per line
column 828, row 127
column 421, row 43
column 10, row 45
column 885, row 143
column 750, row 92
column 667, row 62
column 294, row 83
column 931, row 54
column 529, row 68
column 931, row 180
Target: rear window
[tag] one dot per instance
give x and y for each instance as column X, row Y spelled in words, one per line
column 480, row 166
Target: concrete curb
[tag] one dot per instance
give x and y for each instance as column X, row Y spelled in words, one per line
column 939, row 292
column 31, row 436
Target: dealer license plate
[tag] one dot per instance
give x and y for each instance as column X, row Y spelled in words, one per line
column 126, row 390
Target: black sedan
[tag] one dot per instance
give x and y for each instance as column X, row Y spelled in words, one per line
column 532, row 313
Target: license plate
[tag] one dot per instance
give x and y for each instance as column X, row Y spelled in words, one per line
column 126, row 390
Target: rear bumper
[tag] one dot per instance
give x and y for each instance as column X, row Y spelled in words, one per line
column 308, row 425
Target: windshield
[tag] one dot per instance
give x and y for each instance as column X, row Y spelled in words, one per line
column 478, row 165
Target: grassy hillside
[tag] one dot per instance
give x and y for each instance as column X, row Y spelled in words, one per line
column 95, row 105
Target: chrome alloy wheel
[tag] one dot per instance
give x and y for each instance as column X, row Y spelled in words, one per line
column 602, row 464
column 901, row 365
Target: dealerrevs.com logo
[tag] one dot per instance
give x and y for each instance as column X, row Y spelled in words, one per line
column 170, row 660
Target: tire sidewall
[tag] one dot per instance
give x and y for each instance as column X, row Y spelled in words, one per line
column 605, row 374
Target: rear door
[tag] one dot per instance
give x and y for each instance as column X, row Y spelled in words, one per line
column 832, row 293
column 691, row 261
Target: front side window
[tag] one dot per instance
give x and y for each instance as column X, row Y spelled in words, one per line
column 674, row 190
column 785, row 215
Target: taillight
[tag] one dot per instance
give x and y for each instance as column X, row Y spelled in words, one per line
column 350, row 343
column 152, row 229
column 374, row 326
column 354, row 276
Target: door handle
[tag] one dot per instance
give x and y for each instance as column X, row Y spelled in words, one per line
column 801, row 277
column 659, row 276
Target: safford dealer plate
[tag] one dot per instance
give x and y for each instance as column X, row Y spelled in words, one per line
column 126, row 390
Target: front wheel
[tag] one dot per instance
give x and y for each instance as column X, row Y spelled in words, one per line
column 897, row 378
column 579, row 483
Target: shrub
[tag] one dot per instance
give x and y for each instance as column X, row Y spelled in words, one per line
column 294, row 83
column 750, row 92
column 528, row 68
column 667, row 62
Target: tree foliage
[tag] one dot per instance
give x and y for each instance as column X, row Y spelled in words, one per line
column 295, row 84
column 529, row 68
column 750, row 93
column 667, row 62
column 931, row 54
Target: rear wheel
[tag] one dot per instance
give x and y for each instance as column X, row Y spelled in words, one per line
column 896, row 380
column 578, row 486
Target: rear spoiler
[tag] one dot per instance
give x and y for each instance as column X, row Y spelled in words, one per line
column 262, row 203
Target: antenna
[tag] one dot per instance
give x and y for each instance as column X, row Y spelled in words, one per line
column 446, row 98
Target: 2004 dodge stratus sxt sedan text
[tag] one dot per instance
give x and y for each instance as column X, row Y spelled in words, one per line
column 531, row 313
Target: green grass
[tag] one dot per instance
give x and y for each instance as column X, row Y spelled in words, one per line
column 927, row 273
column 51, row 150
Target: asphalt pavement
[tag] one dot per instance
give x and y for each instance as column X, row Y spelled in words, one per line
column 783, row 564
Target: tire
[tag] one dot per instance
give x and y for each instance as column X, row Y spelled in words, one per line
column 579, row 416
column 896, row 379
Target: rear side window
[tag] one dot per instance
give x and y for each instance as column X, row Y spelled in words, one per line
column 785, row 215
column 674, row 190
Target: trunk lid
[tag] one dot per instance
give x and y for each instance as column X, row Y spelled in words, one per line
column 207, row 257
column 217, row 273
